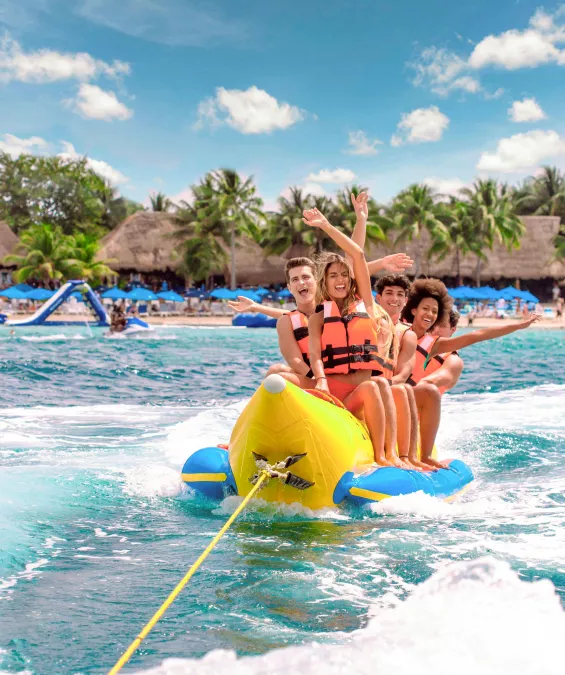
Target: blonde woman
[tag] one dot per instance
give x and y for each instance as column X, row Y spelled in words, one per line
column 352, row 341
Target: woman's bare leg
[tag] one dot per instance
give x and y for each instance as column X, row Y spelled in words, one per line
column 413, row 458
column 366, row 400
column 428, row 400
column 390, row 416
column 404, row 424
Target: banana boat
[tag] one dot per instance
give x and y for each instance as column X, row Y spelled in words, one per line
column 317, row 453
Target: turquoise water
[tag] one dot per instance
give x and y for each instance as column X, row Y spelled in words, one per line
column 96, row 529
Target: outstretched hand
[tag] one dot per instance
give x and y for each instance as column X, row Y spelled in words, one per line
column 242, row 304
column 397, row 262
column 360, row 205
column 533, row 318
column 314, row 218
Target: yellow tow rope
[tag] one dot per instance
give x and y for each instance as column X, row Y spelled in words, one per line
column 264, row 475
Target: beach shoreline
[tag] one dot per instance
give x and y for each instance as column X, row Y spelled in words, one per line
column 226, row 321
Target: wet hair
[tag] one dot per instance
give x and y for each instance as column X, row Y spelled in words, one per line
column 454, row 317
column 298, row 262
column 388, row 280
column 323, row 262
column 427, row 288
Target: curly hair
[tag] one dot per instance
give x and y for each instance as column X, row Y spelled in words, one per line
column 399, row 280
column 323, row 263
column 427, row 288
column 454, row 317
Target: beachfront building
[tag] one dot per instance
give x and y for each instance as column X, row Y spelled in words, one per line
column 8, row 243
column 144, row 249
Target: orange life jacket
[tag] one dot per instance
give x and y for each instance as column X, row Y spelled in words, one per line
column 424, row 365
column 299, row 323
column 350, row 342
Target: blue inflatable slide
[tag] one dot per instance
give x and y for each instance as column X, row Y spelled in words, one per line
column 64, row 293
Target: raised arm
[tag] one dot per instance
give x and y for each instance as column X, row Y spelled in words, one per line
column 314, row 218
column 315, row 326
column 243, row 304
column 361, row 208
column 443, row 345
column 289, row 347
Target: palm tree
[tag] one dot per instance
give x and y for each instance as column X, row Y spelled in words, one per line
column 494, row 219
column 414, row 211
column 85, row 250
column 202, row 255
column 232, row 208
column 346, row 214
column 457, row 219
column 46, row 253
column 285, row 229
column 542, row 195
column 160, row 202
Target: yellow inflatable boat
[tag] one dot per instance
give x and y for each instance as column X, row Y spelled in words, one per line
column 318, row 453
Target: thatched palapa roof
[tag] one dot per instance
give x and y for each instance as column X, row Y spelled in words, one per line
column 144, row 242
column 531, row 261
column 8, row 241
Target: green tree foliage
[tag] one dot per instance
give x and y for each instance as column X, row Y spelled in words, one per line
column 44, row 253
column 160, row 202
column 225, row 207
column 85, row 247
column 61, row 192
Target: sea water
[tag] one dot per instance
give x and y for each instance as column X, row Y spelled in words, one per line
column 96, row 527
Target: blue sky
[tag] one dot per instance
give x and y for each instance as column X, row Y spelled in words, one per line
column 317, row 93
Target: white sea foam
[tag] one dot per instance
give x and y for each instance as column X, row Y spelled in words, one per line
column 469, row 617
column 153, row 480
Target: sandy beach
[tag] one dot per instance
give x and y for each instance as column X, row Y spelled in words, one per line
column 544, row 324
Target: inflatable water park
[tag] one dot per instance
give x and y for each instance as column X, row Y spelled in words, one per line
column 315, row 451
column 54, row 302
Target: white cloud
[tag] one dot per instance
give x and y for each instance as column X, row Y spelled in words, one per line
column 252, row 111
column 359, row 144
column 332, row 176
column 514, row 49
column 95, row 103
column 102, row 168
column 14, row 146
column 444, row 71
column 523, row 152
column 186, row 195
column 46, row 66
column 450, row 187
column 423, row 125
column 527, row 110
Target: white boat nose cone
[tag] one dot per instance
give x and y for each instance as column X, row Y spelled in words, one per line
column 274, row 384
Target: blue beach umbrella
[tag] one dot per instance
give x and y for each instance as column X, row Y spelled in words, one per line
column 528, row 297
column 114, row 294
column 170, row 296
column 26, row 288
column 261, row 291
column 223, row 294
column 13, row 293
column 510, row 293
column 141, row 294
column 284, row 294
column 40, row 294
